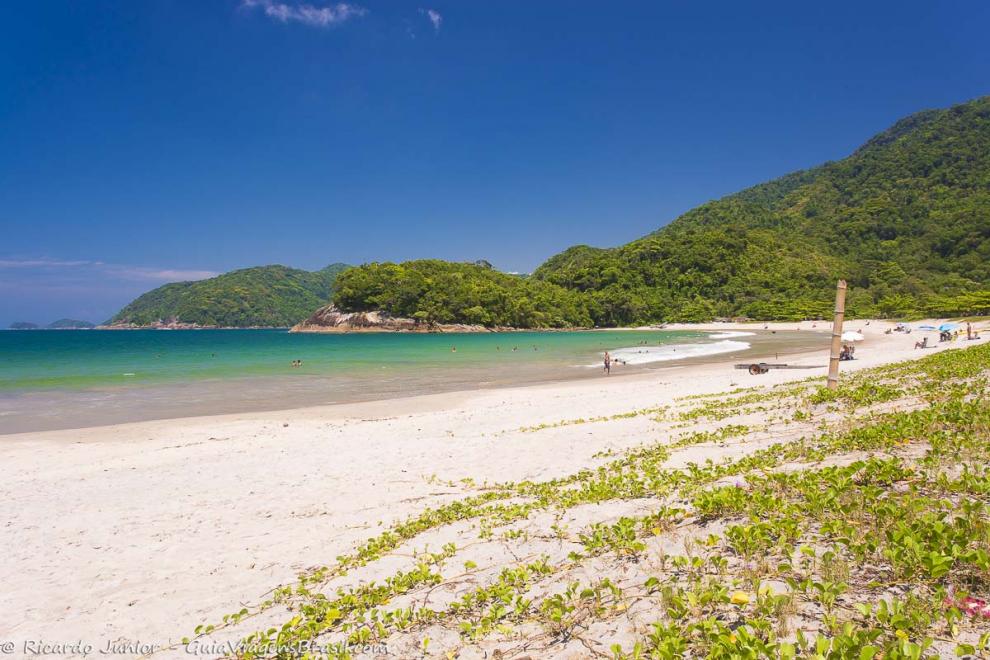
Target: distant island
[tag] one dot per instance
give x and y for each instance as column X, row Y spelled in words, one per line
column 905, row 220
column 61, row 324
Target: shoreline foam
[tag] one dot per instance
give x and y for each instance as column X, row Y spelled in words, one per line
column 729, row 334
column 639, row 355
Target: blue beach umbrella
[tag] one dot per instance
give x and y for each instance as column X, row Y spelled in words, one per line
column 948, row 327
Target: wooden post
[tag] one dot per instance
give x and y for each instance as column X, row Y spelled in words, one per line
column 840, row 313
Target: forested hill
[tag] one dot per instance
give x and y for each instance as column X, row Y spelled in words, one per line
column 905, row 219
column 267, row 296
column 435, row 291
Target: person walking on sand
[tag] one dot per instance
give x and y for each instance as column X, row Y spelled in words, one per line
column 608, row 363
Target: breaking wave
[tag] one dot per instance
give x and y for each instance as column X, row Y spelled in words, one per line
column 647, row 354
column 729, row 334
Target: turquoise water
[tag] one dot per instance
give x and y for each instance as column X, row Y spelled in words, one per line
column 70, row 360
column 63, row 379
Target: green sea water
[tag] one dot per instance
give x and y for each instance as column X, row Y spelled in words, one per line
column 60, row 379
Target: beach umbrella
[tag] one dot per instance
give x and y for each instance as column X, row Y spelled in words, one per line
column 948, row 327
column 926, row 327
column 852, row 335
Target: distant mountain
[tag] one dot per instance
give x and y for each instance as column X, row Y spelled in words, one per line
column 23, row 325
column 70, row 324
column 905, row 219
column 265, row 296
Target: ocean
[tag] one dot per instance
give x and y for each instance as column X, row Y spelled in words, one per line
column 67, row 379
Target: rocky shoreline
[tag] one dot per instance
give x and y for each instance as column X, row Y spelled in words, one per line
column 330, row 319
column 178, row 325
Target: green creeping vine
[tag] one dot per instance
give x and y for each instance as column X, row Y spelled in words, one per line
column 658, row 413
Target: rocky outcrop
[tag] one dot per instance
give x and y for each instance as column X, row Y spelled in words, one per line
column 331, row 319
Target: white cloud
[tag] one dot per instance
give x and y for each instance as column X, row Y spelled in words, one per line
column 159, row 274
column 307, row 14
column 33, row 288
column 435, row 18
column 119, row 271
column 42, row 263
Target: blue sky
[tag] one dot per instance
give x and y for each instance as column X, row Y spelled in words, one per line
column 142, row 142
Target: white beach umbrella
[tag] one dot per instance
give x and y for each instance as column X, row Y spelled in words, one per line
column 852, row 335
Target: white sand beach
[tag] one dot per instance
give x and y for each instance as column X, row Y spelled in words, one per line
column 142, row 531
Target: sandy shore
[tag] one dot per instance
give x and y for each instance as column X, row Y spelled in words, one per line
column 142, row 531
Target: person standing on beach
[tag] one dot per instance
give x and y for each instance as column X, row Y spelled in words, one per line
column 608, row 363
